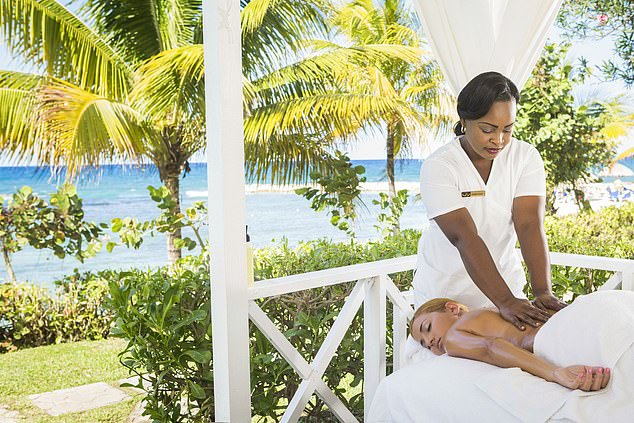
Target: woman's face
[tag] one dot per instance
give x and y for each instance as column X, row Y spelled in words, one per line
column 486, row 137
column 430, row 329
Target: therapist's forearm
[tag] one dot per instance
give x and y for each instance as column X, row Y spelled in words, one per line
column 534, row 247
column 481, row 267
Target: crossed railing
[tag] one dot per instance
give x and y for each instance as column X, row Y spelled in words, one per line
column 373, row 288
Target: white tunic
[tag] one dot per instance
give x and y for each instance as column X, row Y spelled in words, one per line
column 447, row 178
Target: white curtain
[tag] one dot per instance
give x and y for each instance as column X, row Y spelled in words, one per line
column 469, row 37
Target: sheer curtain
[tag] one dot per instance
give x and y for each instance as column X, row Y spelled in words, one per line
column 469, row 37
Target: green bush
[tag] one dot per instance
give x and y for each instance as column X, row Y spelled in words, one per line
column 31, row 316
column 164, row 315
column 607, row 233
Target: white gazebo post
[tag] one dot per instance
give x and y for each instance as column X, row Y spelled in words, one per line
column 225, row 169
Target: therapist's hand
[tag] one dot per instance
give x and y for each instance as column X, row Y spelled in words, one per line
column 521, row 312
column 548, row 302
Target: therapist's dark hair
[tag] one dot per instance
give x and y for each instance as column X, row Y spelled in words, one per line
column 477, row 97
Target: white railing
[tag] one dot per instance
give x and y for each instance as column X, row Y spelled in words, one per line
column 373, row 288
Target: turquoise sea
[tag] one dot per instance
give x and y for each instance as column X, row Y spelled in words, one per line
column 116, row 191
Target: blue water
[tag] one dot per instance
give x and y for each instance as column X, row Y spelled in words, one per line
column 114, row 191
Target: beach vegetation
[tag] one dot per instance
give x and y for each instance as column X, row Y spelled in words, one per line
column 192, row 220
column 598, row 19
column 59, row 226
column 126, row 82
column 388, row 220
column 568, row 137
column 32, row 316
column 364, row 23
column 338, row 193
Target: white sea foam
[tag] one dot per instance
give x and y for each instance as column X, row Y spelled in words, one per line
column 412, row 187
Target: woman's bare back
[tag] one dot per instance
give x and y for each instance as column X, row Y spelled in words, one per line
column 489, row 323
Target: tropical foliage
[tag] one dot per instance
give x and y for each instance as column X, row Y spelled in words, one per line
column 130, row 85
column 568, row 137
column 27, row 219
column 338, row 193
column 365, row 23
column 600, row 19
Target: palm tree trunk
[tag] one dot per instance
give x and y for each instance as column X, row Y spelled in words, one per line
column 7, row 262
column 391, row 133
column 391, row 136
column 171, row 179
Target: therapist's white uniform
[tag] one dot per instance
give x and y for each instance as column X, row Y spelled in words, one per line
column 448, row 182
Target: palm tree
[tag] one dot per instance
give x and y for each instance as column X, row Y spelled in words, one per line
column 417, row 82
column 130, row 85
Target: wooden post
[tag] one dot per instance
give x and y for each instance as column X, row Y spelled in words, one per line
column 225, row 169
column 374, row 343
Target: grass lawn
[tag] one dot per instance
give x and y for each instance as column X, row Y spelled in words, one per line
column 44, row 369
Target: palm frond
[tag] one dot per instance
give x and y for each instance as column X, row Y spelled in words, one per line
column 285, row 159
column 47, row 34
column 142, row 29
column 271, row 29
column 325, row 115
column 170, row 86
column 19, row 133
column 82, row 129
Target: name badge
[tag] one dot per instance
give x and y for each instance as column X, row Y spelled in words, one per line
column 467, row 194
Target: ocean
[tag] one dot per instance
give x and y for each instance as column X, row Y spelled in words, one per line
column 117, row 191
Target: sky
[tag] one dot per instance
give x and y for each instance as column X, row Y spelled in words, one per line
column 373, row 145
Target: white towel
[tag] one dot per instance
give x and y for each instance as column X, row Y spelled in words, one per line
column 596, row 330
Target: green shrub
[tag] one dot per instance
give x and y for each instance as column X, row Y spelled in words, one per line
column 606, row 233
column 164, row 315
column 31, row 316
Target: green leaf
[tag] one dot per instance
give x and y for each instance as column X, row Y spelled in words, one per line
column 203, row 357
column 196, row 390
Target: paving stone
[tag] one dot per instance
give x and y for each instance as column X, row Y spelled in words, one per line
column 136, row 417
column 80, row 398
column 8, row 416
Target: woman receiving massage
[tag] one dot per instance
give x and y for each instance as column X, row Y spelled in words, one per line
column 483, row 191
column 446, row 326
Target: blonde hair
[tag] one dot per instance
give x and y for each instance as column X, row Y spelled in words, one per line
column 433, row 305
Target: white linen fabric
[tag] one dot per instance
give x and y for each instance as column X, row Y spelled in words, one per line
column 441, row 389
column 597, row 329
column 469, row 37
column 445, row 176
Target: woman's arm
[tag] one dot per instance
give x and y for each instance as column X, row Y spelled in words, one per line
column 460, row 229
column 528, row 219
column 502, row 353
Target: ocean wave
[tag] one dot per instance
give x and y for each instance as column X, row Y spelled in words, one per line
column 412, row 187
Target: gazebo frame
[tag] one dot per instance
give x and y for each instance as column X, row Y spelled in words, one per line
column 233, row 301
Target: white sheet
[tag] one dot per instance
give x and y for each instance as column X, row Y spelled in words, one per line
column 596, row 330
column 441, row 389
column 447, row 389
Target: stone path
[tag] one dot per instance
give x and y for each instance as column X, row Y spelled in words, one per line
column 7, row 416
column 77, row 399
column 80, row 398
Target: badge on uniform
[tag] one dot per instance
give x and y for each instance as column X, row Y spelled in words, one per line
column 467, row 194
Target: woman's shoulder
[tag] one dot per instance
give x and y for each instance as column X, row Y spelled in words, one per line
column 478, row 320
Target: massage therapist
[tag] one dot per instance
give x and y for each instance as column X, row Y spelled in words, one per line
column 483, row 191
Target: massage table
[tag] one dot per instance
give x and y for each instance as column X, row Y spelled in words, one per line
column 591, row 331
